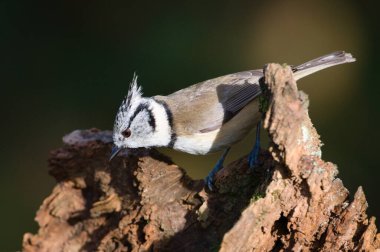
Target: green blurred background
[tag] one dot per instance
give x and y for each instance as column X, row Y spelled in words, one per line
column 66, row 65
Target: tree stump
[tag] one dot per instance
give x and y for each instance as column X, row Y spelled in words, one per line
column 142, row 201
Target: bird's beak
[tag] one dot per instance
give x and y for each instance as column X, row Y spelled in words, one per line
column 115, row 150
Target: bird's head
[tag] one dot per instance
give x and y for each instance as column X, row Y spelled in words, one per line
column 140, row 122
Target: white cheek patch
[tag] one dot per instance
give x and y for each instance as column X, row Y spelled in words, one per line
column 163, row 133
column 139, row 126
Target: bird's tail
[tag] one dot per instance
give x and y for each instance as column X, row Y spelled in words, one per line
column 323, row 62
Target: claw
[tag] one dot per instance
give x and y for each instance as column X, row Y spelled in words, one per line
column 209, row 180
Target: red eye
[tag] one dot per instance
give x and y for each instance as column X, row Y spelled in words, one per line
column 126, row 133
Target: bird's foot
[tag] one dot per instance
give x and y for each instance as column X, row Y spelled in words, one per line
column 209, row 180
column 253, row 157
column 254, row 154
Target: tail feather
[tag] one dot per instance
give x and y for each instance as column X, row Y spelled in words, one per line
column 329, row 60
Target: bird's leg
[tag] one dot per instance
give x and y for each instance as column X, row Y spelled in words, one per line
column 209, row 180
column 254, row 154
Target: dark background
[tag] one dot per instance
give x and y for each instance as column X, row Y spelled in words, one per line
column 66, row 65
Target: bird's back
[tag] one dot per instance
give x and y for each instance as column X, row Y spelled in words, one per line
column 206, row 106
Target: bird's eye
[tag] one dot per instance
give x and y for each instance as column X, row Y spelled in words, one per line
column 126, row 133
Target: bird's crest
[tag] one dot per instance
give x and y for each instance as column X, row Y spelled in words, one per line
column 132, row 98
column 134, row 93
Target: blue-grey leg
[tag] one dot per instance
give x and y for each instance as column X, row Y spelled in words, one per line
column 254, row 154
column 209, row 180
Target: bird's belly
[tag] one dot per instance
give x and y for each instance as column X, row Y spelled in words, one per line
column 230, row 133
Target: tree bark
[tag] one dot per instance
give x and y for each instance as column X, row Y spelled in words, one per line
column 142, row 201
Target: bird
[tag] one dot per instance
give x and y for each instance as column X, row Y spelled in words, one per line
column 203, row 118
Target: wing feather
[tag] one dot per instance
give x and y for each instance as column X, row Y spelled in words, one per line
column 234, row 96
column 212, row 103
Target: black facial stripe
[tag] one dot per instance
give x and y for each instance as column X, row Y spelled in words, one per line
column 140, row 108
column 173, row 137
column 152, row 119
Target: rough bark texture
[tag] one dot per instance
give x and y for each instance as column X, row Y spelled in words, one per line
column 143, row 202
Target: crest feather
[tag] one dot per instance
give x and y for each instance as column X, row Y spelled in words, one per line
column 134, row 92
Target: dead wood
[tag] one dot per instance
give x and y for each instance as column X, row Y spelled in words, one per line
column 144, row 202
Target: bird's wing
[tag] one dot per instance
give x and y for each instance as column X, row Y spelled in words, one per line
column 206, row 106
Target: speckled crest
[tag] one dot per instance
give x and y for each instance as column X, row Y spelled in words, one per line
column 133, row 97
